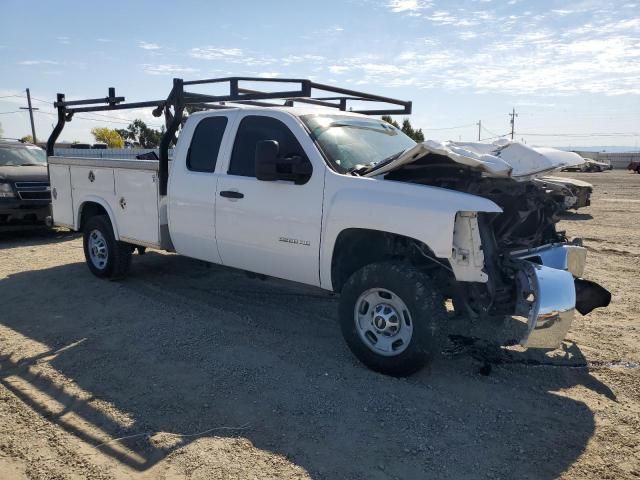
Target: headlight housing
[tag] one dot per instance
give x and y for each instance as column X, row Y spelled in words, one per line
column 6, row 190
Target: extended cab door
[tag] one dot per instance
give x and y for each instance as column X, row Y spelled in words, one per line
column 192, row 186
column 270, row 227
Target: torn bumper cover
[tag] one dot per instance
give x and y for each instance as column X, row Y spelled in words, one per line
column 549, row 292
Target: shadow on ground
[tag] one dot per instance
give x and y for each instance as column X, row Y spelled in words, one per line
column 182, row 347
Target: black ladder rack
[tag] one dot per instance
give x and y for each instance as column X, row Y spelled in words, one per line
column 174, row 105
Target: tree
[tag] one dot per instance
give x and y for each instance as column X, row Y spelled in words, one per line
column 109, row 136
column 139, row 134
column 27, row 139
column 388, row 119
column 409, row 131
column 406, row 128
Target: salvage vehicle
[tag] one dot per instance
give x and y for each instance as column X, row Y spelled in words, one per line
column 317, row 191
column 588, row 165
column 592, row 165
column 571, row 193
column 25, row 196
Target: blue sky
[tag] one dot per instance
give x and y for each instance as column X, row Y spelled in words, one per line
column 568, row 67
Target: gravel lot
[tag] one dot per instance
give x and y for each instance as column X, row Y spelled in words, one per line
column 181, row 348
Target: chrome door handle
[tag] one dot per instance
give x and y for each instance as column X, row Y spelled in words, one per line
column 231, row 194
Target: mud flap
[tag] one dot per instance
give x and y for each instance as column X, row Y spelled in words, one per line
column 590, row 295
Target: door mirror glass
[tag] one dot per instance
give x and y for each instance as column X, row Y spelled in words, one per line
column 266, row 159
column 270, row 166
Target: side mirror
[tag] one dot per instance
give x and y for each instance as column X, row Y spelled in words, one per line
column 266, row 158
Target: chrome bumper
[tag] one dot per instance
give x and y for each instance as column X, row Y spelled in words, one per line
column 547, row 292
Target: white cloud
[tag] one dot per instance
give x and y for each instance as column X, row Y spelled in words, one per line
column 409, row 6
column 338, row 69
column 149, row 46
column 167, row 69
column 64, row 40
column 38, row 62
column 214, row 53
column 268, row 74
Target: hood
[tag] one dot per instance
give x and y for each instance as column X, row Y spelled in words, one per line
column 499, row 159
column 24, row 174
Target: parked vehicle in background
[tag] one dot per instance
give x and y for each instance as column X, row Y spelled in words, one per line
column 335, row 199
column 596, row 166
column 25, row 196
column 571, row 193
column 589, row 165
column 634, row 166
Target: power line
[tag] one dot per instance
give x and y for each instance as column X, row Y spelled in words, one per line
column 14, row 111
column 122, row 121
column 592, row 134
column 452, row 128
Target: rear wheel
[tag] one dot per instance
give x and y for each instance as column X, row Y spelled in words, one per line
column 391, row 315
column 105, row 256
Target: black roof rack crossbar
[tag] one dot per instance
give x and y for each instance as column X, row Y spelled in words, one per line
column 298, row 91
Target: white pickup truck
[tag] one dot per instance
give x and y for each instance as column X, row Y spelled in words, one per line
column 348, row 203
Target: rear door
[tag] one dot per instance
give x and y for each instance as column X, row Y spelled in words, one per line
column 272, row 227
column 192, row 188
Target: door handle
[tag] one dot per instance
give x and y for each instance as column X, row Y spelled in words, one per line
column 231, row 194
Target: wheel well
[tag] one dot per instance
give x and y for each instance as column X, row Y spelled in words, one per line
column 88, row 210
column 357, row 247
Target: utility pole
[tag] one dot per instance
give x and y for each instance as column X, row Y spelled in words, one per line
column 513, row 116
column 479, row 128
column 31, row 109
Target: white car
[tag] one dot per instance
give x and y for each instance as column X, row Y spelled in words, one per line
column 347, row 203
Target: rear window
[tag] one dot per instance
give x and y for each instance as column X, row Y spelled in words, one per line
column 205, row 144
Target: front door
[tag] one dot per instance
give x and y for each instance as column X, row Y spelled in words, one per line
column 270, row 227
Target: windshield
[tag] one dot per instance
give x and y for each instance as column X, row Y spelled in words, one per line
column 351, row 143
column 22, row 155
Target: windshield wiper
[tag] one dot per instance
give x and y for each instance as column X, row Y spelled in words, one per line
column 370, row 168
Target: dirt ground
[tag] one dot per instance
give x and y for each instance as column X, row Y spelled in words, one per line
column 192, row 371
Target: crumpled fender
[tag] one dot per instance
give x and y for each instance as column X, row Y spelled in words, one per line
column 421, row 212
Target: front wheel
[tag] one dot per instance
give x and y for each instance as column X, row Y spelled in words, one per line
column 391, row 315
column 105, row 256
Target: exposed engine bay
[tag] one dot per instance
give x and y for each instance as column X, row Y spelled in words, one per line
column 530, row 208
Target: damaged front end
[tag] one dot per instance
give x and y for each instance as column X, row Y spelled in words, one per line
column 528, row 269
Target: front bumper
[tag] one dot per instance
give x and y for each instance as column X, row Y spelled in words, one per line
column 18, row 211
column 549, row 292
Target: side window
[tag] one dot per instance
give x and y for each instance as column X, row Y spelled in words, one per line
column 205, row 144
column 254, row 129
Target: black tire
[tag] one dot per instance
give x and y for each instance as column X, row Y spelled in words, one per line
column 425, row 306
column 118, row 255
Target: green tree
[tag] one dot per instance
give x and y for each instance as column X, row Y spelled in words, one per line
column 406, row 128
column 140, row 134
column 388, row 119
column 27, row 139
column 109, row 136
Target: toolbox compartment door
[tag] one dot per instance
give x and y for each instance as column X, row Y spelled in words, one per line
column 136, row 206
column 61, row 201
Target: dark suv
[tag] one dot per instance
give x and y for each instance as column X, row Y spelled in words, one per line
column 25, row 195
